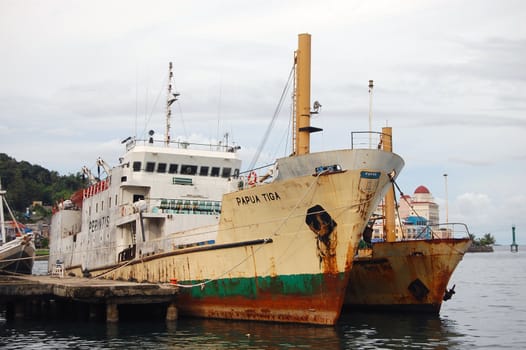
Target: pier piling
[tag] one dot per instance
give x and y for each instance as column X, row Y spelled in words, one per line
column 45, row 297
column 171, row 312
column 112, row 312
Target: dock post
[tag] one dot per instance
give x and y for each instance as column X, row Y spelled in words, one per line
column 171, row 312
column 53, row 309
column 19, row 310
column 112, row 312
column 44, row 307
column 93, row 314
column 36, row 308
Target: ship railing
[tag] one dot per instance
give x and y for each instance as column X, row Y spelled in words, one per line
column 257, row 176
column 444, row 230
column 132, row 142
column 366, row 140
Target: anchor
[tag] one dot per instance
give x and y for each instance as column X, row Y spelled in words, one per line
column 449, row 293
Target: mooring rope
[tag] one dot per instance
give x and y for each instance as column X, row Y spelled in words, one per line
column 433, row 235
column 275, row 233
column 282, row 221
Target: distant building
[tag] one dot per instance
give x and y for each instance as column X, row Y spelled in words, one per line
column 418, row 214
column 421, row 204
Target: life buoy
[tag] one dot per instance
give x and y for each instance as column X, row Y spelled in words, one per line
column 252, row 178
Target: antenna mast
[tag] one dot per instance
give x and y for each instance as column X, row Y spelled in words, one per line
column 171, row 98
column 371, row 85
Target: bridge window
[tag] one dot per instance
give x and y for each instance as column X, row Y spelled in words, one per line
column 173, row 169
column 215, row 171
column 161, row 167
column 226, row 172
column 136, row 166
column 150, row 166
column 189, row 169
column 203, row 171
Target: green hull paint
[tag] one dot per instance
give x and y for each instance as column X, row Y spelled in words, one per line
column 302, row 285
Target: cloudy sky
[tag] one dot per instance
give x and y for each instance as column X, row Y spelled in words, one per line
column 77, row 77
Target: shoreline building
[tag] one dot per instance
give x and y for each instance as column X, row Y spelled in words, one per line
column 417, row 215
column 421, row 204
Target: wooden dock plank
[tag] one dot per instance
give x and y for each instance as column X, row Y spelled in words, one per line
column 85, row 289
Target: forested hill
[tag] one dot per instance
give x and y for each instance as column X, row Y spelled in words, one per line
column 25, row 183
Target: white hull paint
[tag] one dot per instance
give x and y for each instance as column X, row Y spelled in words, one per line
column 17, row 256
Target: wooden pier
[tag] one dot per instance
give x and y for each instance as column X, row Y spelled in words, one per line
column 86, row 299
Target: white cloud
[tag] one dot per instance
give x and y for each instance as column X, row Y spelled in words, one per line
column 470, row 204
column 77, row 77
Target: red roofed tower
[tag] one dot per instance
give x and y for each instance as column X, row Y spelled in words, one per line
column 422, row 189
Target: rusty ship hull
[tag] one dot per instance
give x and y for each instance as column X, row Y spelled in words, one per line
column 275, row 249
column 409, row 275
column 281, row 260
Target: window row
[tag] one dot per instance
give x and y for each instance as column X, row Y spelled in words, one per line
column 101, row 208
column 184, row 169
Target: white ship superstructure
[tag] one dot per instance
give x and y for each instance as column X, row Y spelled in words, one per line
column 154, row 192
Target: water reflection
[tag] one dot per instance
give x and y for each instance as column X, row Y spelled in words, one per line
column 259, row 335
column 368, row 330
column 488, row 311
column 354, row 331
column 185, row 333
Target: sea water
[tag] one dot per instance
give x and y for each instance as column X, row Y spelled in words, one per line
column 487, row 311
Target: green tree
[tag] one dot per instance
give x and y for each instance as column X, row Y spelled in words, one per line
column 487, row 239
column 26, row 183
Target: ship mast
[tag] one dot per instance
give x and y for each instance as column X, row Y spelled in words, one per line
column 389, row 221
column 302, row 128
column 171, row 98
column 371, row 85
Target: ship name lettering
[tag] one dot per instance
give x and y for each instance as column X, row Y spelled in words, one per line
column 255, row 199
column 98, row 224
column 271, row 196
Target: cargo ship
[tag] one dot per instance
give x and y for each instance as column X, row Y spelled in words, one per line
column 406, row 275
column 276, row 243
